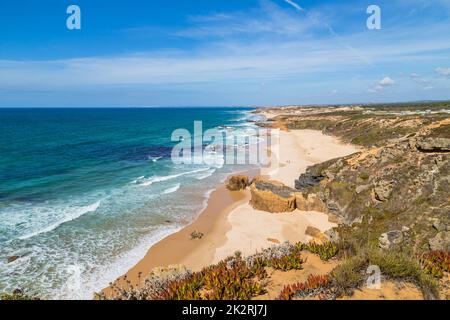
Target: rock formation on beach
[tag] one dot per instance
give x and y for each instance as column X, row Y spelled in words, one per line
column 236, row 183
column 272, row 196
column 394, row 190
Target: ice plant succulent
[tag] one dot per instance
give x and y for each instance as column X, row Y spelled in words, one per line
column 312, row 286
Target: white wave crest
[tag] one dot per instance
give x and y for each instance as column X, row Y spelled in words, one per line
column 205, row 175
column 155, row 179
column 72, row 215
column 173, row 189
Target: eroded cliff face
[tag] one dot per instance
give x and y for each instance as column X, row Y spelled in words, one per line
column 396, row 192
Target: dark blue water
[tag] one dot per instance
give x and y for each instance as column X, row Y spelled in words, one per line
column 84, row 192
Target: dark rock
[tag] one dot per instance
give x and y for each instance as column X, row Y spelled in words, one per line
column 196, row 235
column 307, row 180
column 12, row 258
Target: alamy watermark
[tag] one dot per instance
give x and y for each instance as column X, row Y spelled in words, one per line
column 374, row 277
column 374, row 20
column 73, row 21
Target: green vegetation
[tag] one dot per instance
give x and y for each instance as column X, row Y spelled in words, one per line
column 17, row 295
column 372, row 125
column 435, row 263
column 234, row 278
column 393, row 265
column 325, row 251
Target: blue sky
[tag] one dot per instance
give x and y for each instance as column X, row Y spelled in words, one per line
column 222, row 52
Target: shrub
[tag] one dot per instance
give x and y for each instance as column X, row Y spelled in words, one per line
column 394, row 265
column 435, row 263
column 230, row 279
column 313, row 285
column 348, row 276
column 290, row 262
column 325, row 251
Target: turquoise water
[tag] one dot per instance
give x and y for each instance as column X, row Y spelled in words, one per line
column 85, row 192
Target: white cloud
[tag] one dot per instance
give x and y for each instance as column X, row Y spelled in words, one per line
column 386, row 81
column 443, row 71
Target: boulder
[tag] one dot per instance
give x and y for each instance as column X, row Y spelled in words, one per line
column 236, row 183
column 12, row 258
column 309, row 202
column 332, row 235
column 316, row 234
column 439, row 225
column 429, row 144
column 272, row 196
column 440, row 242
column 390, row 239
column 383, row 190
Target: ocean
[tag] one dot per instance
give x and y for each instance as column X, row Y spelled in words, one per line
column 85, row 192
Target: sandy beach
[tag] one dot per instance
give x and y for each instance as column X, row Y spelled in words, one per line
column 229, row 223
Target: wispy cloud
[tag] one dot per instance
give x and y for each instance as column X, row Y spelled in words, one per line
column 443, row 71
column 268, row 19
column 420, row 80
column 295, row 5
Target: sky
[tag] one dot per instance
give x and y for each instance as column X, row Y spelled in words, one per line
column 140, row 53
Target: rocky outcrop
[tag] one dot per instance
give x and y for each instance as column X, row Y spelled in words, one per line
column 441, row 224
column 441, row 241
column 272, row 196
column 383, row 190
column 236, row 183
column 433, row 144
column 390, row 239
column 399, row 181
column 332, row 235
column 308, row 179
column 309, row 202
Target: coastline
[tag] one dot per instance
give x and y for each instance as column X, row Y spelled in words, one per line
column 230, row 224
column 179, row 249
